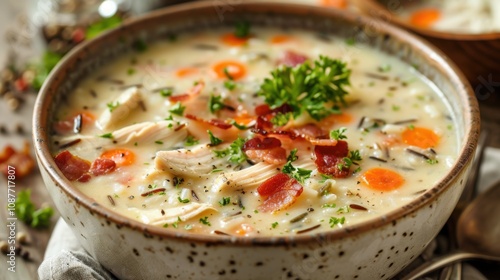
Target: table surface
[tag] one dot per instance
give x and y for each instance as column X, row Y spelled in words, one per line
column 38, row 239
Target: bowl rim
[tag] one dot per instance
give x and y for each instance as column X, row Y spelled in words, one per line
column 375, row 9
column 449, row 69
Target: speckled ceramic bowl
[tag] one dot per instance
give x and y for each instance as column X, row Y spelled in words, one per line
column 477, row 55
column 376, row 249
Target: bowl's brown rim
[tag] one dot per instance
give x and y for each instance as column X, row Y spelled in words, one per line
column 436, row 58
column 375, row 9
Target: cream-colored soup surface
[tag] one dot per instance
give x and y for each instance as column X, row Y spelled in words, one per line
column 140, row 121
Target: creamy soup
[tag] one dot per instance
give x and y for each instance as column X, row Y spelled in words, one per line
column 270, row 133
column 467, row 16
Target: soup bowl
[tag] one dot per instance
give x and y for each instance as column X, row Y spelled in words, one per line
column 476, row 54
column 377, row 248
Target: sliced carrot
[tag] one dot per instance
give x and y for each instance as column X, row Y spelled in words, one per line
column 229, row 69
column 243, row 229
column 382, row 179
column 231, row 40
column 186, row 71
column 425, row 18
column 122, row 157
column 280, row 39
column 339, row 4
column 420, row 137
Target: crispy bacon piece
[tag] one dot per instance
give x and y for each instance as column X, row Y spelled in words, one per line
column 20, row 160
column 73, row 167
column 328, row 159
column 280, row 192
column 267, row 149
column 291, row 58
column 214, row 122
column 102, row 166
column 190, row 94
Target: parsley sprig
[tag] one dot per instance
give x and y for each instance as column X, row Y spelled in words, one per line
column 235, row 151
column 299, row 174
column 308, row 88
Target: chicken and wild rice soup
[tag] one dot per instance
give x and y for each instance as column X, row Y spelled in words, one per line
column 254, row 132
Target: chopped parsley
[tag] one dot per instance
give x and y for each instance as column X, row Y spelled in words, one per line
column 242, row 29
column 159, row 142
column 336, row 221
column 308, row 88
column 331, row 205
column 166, row 92
column 25, row 211
column 235, row 151
column 274, row 225
column 228, row 75
column 395, row 107
column 225, row 201
column 344, row 209
column 215, row 103
column 325, row 177
column 411, row 127
column 239, row 126
column 104, row 24
column 299, row 174
column 205, row 221
column 191, row 141
column 281, row 119
column 214, row 141
column 185, row 200
column 113, row 105
column 108, row 135
column 384, row 68
column 292, row 156
column 350, row 41
column 432, row 161
column 338, row 134
column 230, row 85
column 177, row 109
column 131, row 71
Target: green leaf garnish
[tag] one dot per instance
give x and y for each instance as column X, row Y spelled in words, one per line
column 225, row 201
column 308, row 88
column 104, row 24
column 242, row 29
column 214, row 141
column 191, row 141
column 177, row 109
column 338, row 134
column 112, row 106
column 25, row 211
column 235, row 151
column 215, row 103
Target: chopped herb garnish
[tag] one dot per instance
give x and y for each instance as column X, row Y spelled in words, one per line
column 292, row 156
column 159, row 142
column 242, row 29
column 214, row 141
column 188, row 226
column 299, row 174
column 235, row 151
column 274, row 225
column 215, row 103
column 225, row 201
column 357, row 170
column 230, row 85
column 331, row 205
column 131, row 71
column 113, row 105
column 177, row 109
column 107, row 135
column 308, row 88
column 338, row 134
column 281, row 119
column 411, row 127
column 239, row 126
column 216, row 170
column 49, row 61
column 205, row 221
column 395, row 108
column 350, row 41
column 344, row 209
column 336, row 221
column 25, row 211
column 166, row 92
column 185, row 200
column 432, row 161
column 228, row 75
column 191, row 141
column 325, row 177
column 355, row 155
column 384, row 68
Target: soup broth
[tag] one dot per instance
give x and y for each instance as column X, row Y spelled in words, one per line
column 192, row 134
